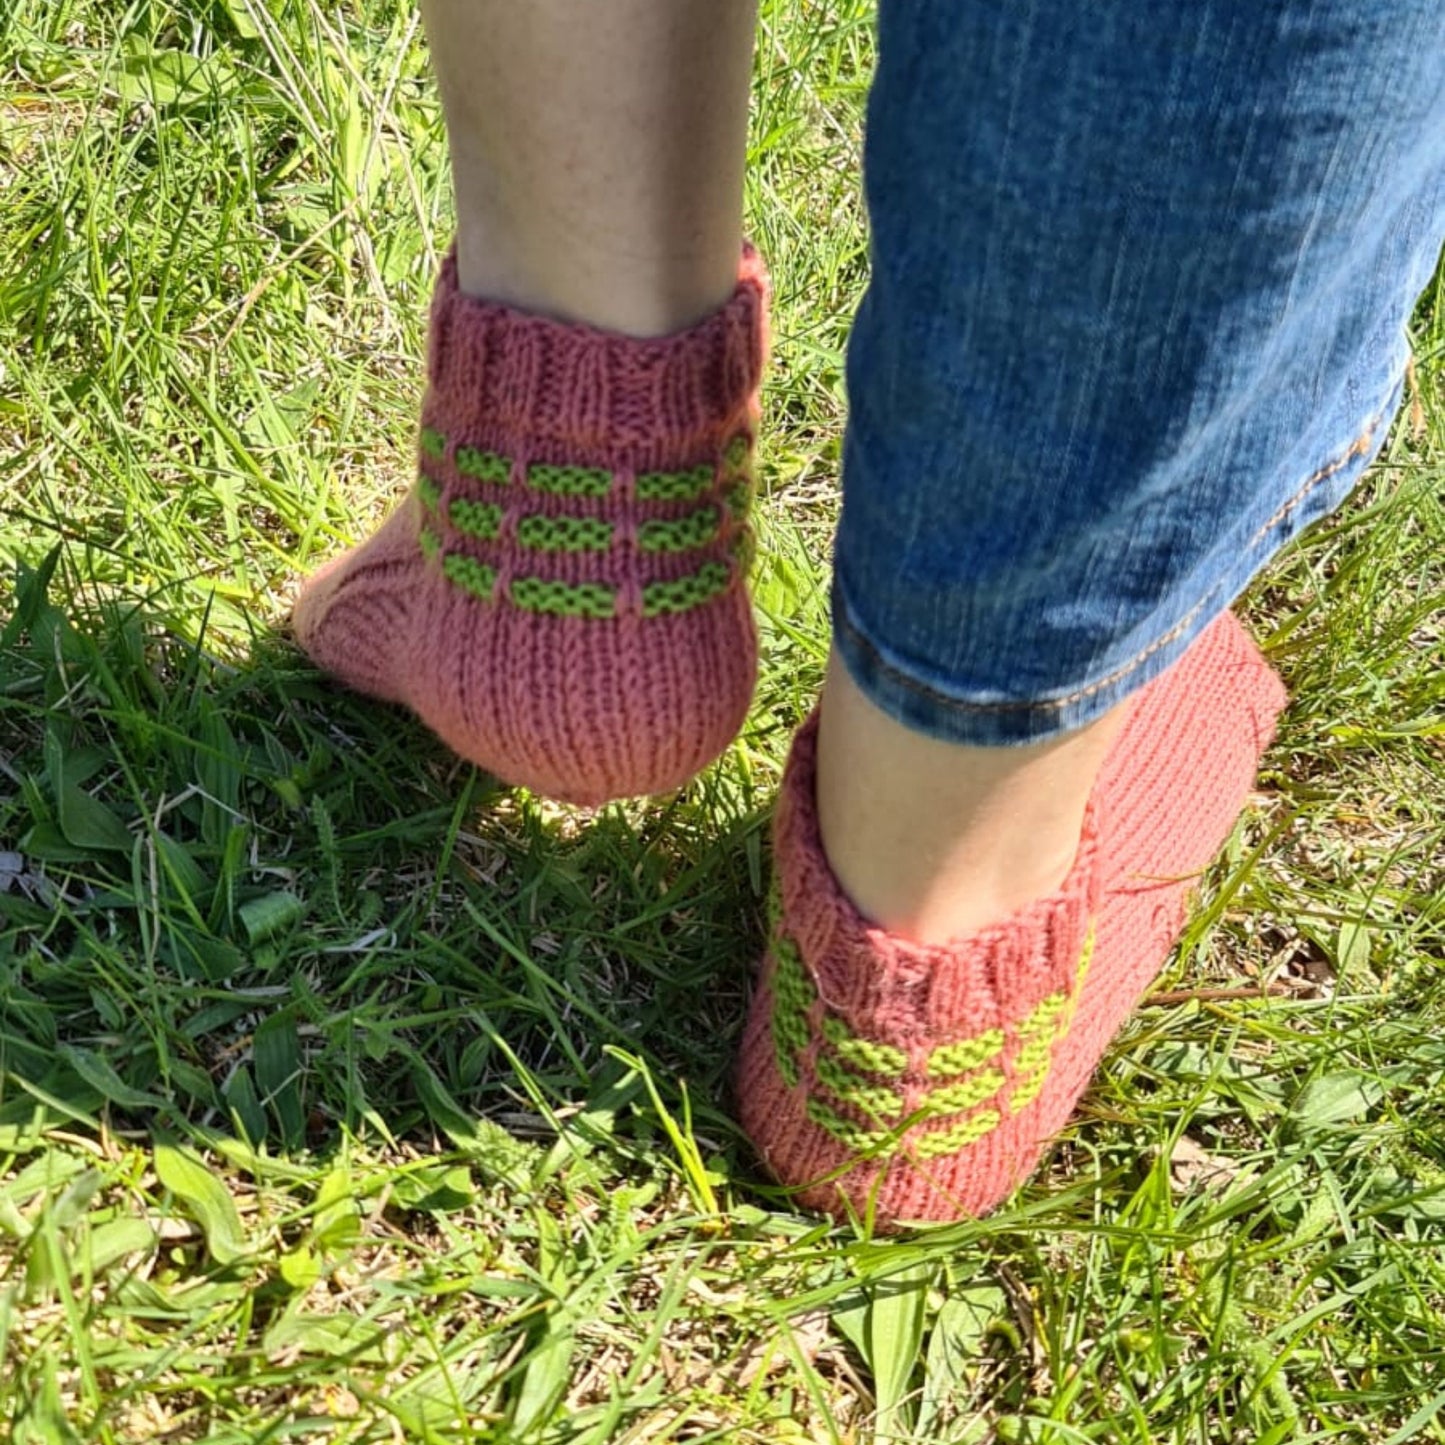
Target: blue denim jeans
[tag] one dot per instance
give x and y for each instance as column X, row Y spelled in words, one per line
column 1141, row 280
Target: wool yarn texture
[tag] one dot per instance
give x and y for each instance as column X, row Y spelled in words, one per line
column 562, row 595
column 904, row 1083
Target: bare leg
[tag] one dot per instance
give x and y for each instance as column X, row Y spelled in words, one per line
column 933, row 840
column 598, row 152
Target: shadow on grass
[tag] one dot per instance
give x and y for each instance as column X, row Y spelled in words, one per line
column 237, row 901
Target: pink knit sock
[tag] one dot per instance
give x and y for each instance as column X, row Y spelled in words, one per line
column 561, row 597
column 922, row 1083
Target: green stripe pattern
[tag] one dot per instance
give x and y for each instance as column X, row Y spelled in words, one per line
column 682, row 486
column 485, row 521
column 469, row 574
column 483, row 466
column 739, row 500
column 684, row 534
column 938, row 1142
column 682, row 594
column 482, row 520
column 859, row 1083
column 563, row 599
column 565, row 534
column 793, row 999
column 569, row 481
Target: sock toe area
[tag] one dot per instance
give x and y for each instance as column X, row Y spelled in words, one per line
column 353, row 617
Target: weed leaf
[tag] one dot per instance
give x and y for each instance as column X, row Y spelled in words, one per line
column 87, row 823
column 546, row 1376
column 896, row 1310
column 264, row 918
column 118, row 1239
column 102, row 1077
column 206, row 1199
column 1335, row 1099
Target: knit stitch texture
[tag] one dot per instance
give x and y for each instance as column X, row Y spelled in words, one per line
column 562, row 596
column 919, row 1083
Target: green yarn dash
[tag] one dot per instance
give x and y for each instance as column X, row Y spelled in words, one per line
column 960, row 1136
column 964, row 1095
column 685, row 593
column 737, row 451
column 675, row 486
column 1041, row 1032
column 739, row 500
column 483, row 466
column 429, row 543
column 482, row 520
column 785, row 1051
column 470, row 575
column 866, row 1054
column 859, row 1140
column 966, row 1055
column 1025, row 1093
column 790, row 979
column 744, row 550
column 793, row 997
column 563, row 599
column 429, row 490
column 1044, row 1016
column 775, row 910
column 1031, row 1069
column 684, row 534
column 871, row 1100
column 565, row 534
column 433, row 443
column 564, row 481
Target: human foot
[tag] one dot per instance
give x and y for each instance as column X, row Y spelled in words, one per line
column 561, row 597
column 919, row 1082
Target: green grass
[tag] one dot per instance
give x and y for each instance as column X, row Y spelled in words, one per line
column 344, row 1096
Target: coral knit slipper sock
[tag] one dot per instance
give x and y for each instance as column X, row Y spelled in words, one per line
column 914, row 1083
column 561, row 597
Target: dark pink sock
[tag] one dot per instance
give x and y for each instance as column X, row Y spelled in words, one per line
column 913, row 1082
column 561, row 597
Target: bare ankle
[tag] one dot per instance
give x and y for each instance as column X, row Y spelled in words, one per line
column 635, row 296
column 933, row 840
